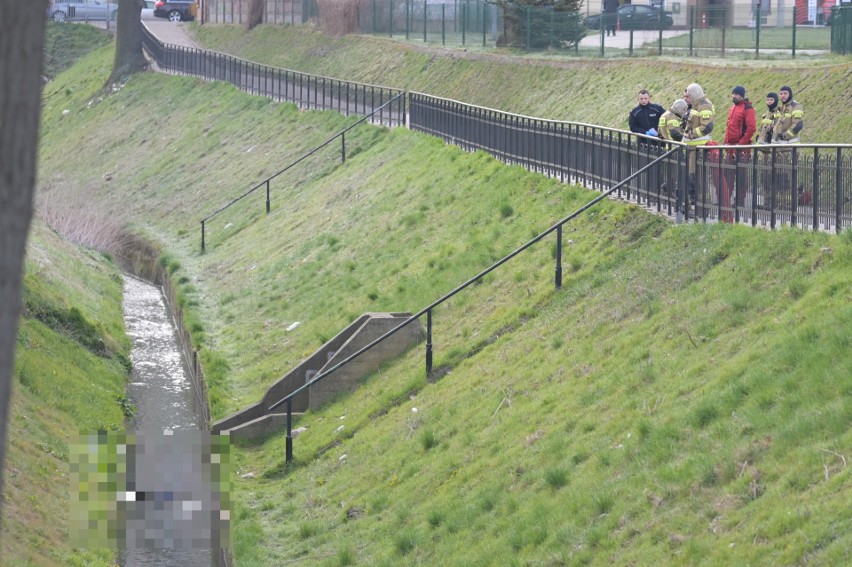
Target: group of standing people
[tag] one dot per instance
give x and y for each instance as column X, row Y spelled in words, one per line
column 690, row 119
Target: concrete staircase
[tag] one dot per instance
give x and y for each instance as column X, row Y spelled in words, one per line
column 255, row 421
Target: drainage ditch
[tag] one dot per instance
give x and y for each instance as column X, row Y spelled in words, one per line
column 172, row 508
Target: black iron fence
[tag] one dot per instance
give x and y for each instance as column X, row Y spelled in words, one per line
column 756, row 29
column 804, row 185
column 273, row 11
column 841, row 30
column 384, row 105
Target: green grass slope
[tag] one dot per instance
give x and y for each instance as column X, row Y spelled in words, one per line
column 685, row 398
column 588, row 90
column 65, row 44
column 70, row 377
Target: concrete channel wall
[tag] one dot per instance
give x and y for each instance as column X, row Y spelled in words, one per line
column 256, row 421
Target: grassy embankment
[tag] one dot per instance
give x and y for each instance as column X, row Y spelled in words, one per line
column 685, row 398
column 70, row 376
column 586, row 90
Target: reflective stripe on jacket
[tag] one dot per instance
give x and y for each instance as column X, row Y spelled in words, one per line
column 700, row 123
column 767, row 126
column 790, row 123
column 670, row 126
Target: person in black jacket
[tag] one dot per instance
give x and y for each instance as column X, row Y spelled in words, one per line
column 610, row 16
column 645, row 118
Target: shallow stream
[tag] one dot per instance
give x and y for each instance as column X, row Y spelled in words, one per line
column 172, row 513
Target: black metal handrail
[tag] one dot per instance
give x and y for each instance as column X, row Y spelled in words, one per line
column 304, row 89
column 557, row 227
column 806, row 185
column 594, row 156
column 265, row 183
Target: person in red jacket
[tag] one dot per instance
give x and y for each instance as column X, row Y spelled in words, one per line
column 742, row 122
column 740, row 129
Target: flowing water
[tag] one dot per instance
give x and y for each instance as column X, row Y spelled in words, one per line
column 171, row 513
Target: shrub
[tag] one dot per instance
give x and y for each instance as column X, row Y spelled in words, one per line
column 541, row 24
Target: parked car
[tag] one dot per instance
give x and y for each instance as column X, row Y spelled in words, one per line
column 175, row 10
column 86, row 10
column 635, row 17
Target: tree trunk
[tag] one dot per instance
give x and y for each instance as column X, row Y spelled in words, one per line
column 128, row 41
column 255, row 16
column 21, row 54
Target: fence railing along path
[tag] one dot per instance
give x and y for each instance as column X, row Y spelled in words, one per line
column 804, row 185
column 383, row 105
column 755, row 29
column 807, row 185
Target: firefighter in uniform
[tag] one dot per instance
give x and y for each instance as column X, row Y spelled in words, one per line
column 790, row 119
column 670, row 128
column 766, row 127
column 670, row 121
column 698, row 128
column 786, row 131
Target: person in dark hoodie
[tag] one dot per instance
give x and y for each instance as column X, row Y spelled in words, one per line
column 767, row 121
column 610, row 16
column 787, row 129
column 764, row 139
column 790, row 121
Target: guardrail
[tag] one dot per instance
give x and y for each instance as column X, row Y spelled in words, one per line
column 383, row 105
column 266, row 183
column 804, row 185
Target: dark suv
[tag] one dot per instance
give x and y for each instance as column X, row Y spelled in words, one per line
column 175, row 10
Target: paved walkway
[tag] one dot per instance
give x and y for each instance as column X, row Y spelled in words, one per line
column 166, row 31
column 621, row 39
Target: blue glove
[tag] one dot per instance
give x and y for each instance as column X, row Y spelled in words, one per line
column 651, row 132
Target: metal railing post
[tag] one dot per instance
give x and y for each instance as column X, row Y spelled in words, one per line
column 425, row 19
column 559, row 257
column 815, row 194
column 202, row 238
column 772, row 190
column 691, row 28
column 484, row 23
column 464, row 21
column 757, row 12
column 343, row 147
column 288, row 455
column 267, row 196
column 838, row 199
column 794, row 188
column 428, row 342
column 794, row 31
column 443, row 24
